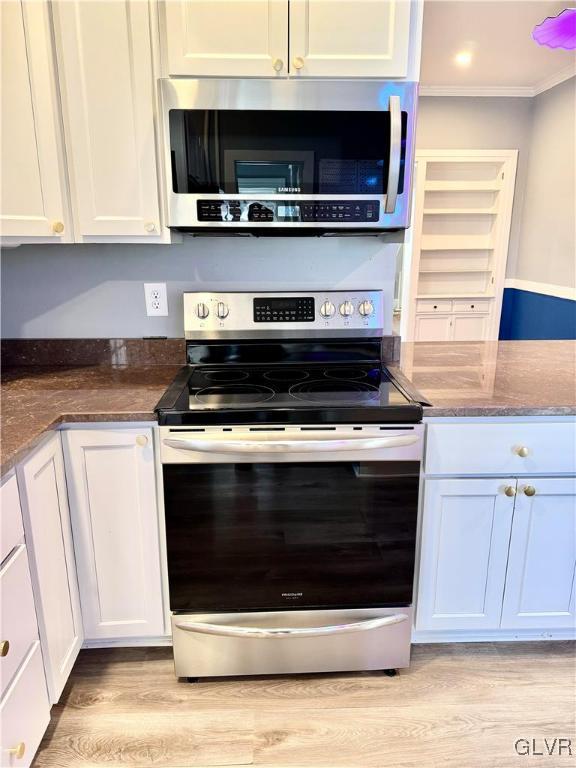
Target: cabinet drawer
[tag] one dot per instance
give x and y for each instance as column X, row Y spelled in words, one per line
column 472, row 305
column 464, row 449
column 430, row 305
column 18, row 618
column 11, row 527
column 25, row 711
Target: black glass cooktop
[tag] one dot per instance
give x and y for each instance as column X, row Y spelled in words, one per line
column 277, row 393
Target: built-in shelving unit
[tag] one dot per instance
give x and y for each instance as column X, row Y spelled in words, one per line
column 461, row 225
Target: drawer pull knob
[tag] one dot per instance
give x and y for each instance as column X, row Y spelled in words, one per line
column 57, row 227
column 298, row 62
column 521, row 451
column 4, row 648
column 529, row 490
column 510, row 490
column 150, row 226
column 278, row 65
column 142, row 440
column 18, row 751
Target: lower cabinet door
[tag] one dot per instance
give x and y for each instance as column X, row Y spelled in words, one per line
column 112, row 488
column 24, row 712
column 465, row 535
column 42, row 485
column 432, row 328
column 540, row 588
column 469, row 327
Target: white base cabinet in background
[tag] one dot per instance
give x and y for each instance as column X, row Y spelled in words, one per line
column 112, row 489
column 42, row 485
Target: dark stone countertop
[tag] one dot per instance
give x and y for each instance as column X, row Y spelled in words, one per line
column 506, row 378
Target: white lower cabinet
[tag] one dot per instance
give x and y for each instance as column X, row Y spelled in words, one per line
column 112, row 490
column 24, row 712
column 465, row 534
column 540, row 588
column 42, row 486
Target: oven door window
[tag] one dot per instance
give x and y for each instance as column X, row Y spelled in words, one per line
column 253, row 152
column 289, row 535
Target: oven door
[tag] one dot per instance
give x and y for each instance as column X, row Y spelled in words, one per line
column 252, row 525
column 259, row 154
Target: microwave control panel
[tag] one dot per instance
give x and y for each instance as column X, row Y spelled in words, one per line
column 287, row 211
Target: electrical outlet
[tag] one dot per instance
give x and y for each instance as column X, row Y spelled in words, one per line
column 156, row 300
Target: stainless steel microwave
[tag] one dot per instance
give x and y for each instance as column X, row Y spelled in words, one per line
column 271, row 157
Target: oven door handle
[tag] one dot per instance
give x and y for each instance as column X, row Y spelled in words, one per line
column 289, row 446
column 395, row 154
column 279, row 633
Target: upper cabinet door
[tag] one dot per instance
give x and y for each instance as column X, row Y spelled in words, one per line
column 349, row 38
column 228, row 38
column 49, row 540
column 540, row 592
column 107, row 85
column 32, row 202
column 112, row 486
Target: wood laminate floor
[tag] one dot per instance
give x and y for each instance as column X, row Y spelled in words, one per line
column 458, row 706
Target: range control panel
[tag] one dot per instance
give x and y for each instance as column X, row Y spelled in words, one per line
column 287, row 211
column 268, row 315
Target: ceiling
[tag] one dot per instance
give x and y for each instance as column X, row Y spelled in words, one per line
column 505, row 59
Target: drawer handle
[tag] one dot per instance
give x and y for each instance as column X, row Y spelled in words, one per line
column 4, row 648
column 529, row 490
column 521, row 450
column 142, row 440
column 18, row 751
column 510, row 490
column 298, row 62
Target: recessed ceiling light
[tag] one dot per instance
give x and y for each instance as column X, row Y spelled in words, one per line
column 463, row 58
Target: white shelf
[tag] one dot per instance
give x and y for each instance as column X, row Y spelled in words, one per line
column 450, row 270
column 458, row 211
column 462, row 186
column 455, row 296
column 456, row 243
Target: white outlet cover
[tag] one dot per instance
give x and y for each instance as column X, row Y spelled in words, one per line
column 156, row 299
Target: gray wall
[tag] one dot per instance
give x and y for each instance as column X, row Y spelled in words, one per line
column 547, row 238
column 97, row 290
column 482, row 123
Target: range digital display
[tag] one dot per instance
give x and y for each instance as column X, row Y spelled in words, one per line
column 296, row 309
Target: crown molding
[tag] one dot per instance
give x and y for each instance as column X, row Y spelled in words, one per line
column 555, row 79
column 522, row 91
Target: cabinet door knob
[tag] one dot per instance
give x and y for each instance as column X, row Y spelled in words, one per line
column 529, row 490
column 278, row 65
column 57, row 227
column 4, row 648
column 150, row 226
column 18, row 750
column 510, row 490
column 521, row 450
column 298, row 62
column 142, row 440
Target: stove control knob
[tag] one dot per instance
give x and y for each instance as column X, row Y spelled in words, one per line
column 327, row 309
column 346, row 309
column 366, row 308
column 222, row 310
column 202, row 311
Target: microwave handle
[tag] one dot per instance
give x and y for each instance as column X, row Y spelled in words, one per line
column 395, row 153
column 288, row 446
column 278, row 633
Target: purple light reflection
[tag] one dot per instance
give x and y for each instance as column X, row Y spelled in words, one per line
column 557, row 31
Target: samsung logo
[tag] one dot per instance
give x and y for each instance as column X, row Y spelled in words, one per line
column 292, row 595
column 289, row 189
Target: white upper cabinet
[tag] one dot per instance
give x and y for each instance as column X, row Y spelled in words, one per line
column 349, row 38
column 108, row 97
column 227, row 38
column 112, row 486
column 49, row 540
column 300, row 38
column 32, row 201
column 541, row 569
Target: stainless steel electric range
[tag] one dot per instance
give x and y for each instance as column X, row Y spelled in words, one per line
column 291, row 459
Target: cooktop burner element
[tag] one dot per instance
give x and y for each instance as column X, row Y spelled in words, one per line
column 233, row 395
column 226, row 374
column 349, row 373
column 286, row 374
column 334, row 392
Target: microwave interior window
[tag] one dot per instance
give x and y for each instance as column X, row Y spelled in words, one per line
column 281, row 152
